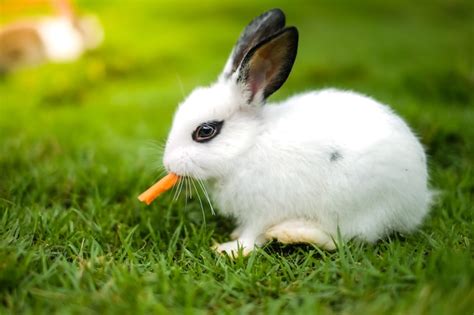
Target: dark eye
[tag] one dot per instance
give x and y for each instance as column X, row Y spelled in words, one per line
column 206, row 131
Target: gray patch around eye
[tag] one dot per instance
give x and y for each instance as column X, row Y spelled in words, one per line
column 335, row 156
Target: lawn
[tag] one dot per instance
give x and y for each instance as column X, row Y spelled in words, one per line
column 80, row 141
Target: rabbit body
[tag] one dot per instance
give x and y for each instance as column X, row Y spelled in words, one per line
column 337, row 158
column 318, row 165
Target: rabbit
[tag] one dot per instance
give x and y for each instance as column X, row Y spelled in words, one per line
column 57, row 39
column 319, row 167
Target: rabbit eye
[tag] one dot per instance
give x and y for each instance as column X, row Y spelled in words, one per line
column 206, row 131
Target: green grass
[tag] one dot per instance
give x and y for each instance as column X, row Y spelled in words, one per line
column 78, row 143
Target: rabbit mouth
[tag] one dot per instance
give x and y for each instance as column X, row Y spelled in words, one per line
column 185, row 166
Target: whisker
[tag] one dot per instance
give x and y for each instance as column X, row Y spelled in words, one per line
column 174, row 190
column 200, row 202
column 206, row 195
column 190, row 188
column 162, row 172
column 178, row 190
column 154, row 146
column 186, row 189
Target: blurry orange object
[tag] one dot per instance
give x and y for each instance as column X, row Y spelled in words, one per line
column 21, row 8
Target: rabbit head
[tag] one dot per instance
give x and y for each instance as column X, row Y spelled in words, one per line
column 215, row 124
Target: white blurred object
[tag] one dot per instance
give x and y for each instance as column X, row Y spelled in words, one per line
column 60, row 38
column 65, row 39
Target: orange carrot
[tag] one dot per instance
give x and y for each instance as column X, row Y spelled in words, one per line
column 157, row 189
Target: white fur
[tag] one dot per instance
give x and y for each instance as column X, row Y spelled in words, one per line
column 337, row 159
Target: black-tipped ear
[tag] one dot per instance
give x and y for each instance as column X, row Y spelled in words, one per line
column 260, row 28
column 267, row 66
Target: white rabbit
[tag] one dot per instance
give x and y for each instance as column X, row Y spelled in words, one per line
column 303, row 170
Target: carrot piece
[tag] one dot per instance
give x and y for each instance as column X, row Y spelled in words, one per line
column 160, row 187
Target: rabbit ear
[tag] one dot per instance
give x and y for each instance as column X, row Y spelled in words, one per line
column 266, row 66
column 261, row 27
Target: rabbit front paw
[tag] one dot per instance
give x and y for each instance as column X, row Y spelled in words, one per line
column 234, row 248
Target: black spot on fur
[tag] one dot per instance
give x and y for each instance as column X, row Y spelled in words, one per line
column 335, row 156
